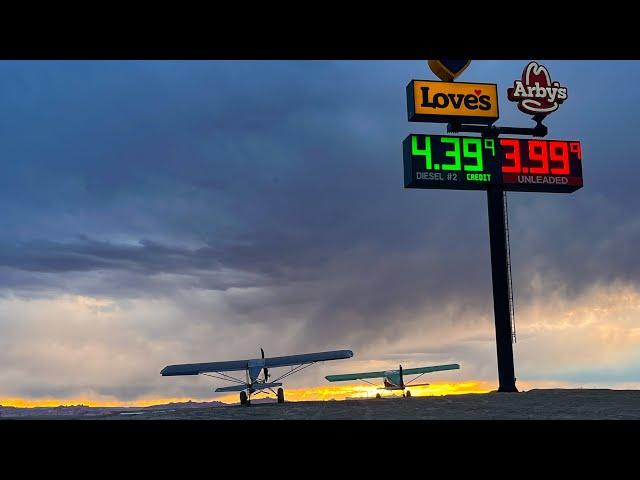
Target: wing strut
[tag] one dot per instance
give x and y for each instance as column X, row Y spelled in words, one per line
column 224, row 376
column 415, row 378
column 370, row 383
column 294, row 370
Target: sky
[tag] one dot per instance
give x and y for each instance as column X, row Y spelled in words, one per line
column 161, row 212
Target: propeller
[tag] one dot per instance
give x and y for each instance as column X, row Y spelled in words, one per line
column 266, row 370
column 401, row 379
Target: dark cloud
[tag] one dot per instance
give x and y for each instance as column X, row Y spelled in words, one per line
column 85, row 255
column 279, row 169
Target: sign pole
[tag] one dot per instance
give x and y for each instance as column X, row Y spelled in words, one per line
column 500, row 281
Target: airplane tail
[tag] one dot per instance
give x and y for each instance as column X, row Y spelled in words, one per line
column 256, row 387
column 232, row 388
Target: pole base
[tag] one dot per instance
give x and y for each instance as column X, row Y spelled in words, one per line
column 508, row 389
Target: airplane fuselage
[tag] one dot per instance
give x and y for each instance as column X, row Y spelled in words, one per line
column 393, row 381
column 254, row 367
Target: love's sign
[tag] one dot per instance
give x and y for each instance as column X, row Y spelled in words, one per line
column 429, row 101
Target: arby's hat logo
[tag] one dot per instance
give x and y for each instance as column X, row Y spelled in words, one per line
column 536, row 94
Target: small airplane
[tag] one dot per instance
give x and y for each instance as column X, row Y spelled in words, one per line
column 393, row 379
column 252, row 368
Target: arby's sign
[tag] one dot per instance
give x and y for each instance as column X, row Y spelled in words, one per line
column 535, row 93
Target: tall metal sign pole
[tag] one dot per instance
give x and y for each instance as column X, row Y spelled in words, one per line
column 490, row 163
column 500, row 281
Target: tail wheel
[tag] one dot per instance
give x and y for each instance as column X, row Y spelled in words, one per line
column 244, row 400
column 408, row 394
column 280, row 395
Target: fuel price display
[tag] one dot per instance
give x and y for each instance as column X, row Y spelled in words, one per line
column 440, row 161
column 540, row 165
column 474, row 163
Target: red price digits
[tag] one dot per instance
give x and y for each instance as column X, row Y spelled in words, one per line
column 538, row 151
column 559, row 152
column 575, row 148
column 543, row 156
column 513, row 155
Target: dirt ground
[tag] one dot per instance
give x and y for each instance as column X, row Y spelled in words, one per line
column 534, row 404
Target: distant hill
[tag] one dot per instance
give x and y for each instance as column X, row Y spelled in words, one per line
column 261, row 400
column 86, row 411
column 188, row 404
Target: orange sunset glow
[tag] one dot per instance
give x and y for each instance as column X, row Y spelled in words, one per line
column 342, row 392
column 331, row 392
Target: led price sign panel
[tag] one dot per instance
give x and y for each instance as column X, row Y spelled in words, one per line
column 540, row 165
column 474, row 163
column 441, row 161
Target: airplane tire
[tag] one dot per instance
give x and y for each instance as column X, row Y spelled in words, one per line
column 244, row 400
column 408, row 394
column 378, row 395
column 280, row 395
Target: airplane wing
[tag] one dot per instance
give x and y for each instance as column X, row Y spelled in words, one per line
column 435, row 368
column 291, row 360
column 405, row 371
column 197, row 368
column 237, row 365
column 355, row 376
column 240, row 388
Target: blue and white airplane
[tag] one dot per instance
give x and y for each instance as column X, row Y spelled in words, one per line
column 252, row 368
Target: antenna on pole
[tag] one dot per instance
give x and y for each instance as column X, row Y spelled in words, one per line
column 512, row 312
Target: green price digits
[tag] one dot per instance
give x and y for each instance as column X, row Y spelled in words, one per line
column 415, row 151
column 471, row 149
column 453, row 154
column 475, row 153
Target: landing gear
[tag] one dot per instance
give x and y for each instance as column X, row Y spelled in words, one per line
column 408, row 394
column 378, row 395
column 280, row 395
column 244, row 400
